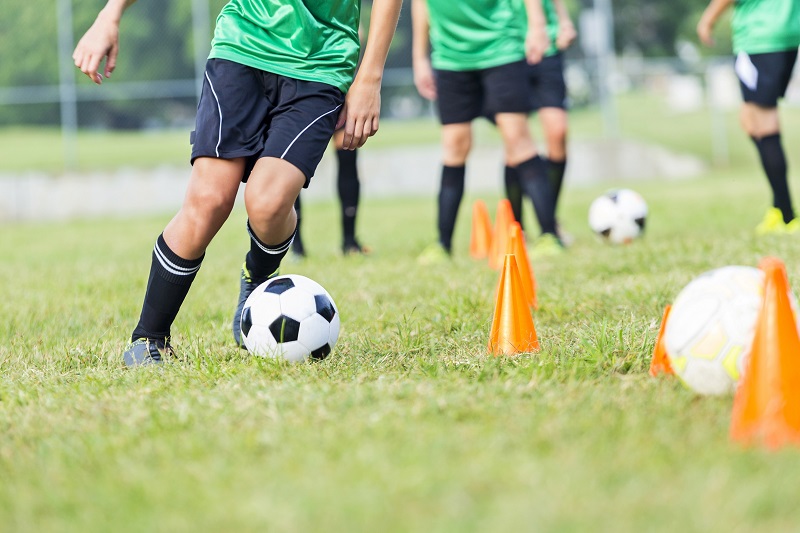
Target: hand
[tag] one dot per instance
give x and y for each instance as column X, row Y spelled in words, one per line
column 424, row 79
column 566, row 35
column 536, row 44
column 704, row 30
column 100, row 42
column 360, row 113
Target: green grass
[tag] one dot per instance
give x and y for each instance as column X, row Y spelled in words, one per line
column 410, row 425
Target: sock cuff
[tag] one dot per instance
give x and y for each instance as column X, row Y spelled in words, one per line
column 175, row 268
column 268, row 248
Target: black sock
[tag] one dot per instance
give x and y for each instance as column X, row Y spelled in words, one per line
column 264, row 259
column 297, row 242
column 513, row 192
column 555, row 171
column 169, row 282
column 536, row 185
column 349, row 190
column 450, row 194
column 773, row 160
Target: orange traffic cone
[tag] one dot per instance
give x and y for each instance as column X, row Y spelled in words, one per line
column 660, row 362
column 504, row 218
column 512, row 325
column 481, row 238
column 516, row 246
column 766, row 408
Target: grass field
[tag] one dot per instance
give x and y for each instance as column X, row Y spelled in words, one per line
column 409, row 426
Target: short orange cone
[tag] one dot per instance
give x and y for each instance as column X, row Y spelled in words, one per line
column 766, row 408
column 512, row 325
column 516, row 246
column 660, row 362
column 502, row 221
column 480, row 240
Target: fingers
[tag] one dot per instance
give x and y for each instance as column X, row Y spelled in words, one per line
column 358, row 130
column 89, row 64
column 342, row 117
column 111, row 62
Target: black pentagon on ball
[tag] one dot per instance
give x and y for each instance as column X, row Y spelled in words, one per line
column 279, row 286
column 606, row 232
column 285, row 329
column 640, row 223
column 321, row 353
column 247, row 321
column 325, row 307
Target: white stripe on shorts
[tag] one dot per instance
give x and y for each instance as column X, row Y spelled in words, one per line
column 304, row 129
column 219, row 109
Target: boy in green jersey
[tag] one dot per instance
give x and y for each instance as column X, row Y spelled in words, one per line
column 548, row 98
column 480, row 49
column 766, row 35
column 278, row 82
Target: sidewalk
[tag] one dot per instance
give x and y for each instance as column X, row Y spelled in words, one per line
column 407, row 171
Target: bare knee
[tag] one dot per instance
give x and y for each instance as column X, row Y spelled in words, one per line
column 456, row 144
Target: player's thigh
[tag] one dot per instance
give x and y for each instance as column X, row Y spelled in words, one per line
column 459, row 97
column 272, row 188
column 302, row 123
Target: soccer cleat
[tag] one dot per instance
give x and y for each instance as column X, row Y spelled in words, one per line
column 143, row 352
column 246, row 286
column 354, row 248
column 433, row 254
column 793, row 226
column 566, row 238
column 772, row 223
column 547, row 245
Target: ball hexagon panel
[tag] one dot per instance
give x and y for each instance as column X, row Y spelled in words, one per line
column 260, row 341
column 293, row 351
column 315, row 332
column 308, row 284
column 264, row 307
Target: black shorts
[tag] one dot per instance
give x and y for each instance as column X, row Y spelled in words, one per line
column 463, row 96
column 764, row 78
column 250, row 113
column 546, row 82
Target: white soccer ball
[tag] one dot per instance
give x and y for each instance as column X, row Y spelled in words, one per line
column 710, row 329
column 618, row 216
column 292, row 317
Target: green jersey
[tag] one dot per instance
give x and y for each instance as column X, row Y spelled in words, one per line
column 763, row 26
column 311, row 40
column 475, row 34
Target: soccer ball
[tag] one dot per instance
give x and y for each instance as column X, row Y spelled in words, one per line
column 618, row 216
column 291, row 317
column 710, row 329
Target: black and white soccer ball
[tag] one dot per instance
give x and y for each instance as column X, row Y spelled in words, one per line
column 292, row 317
column 619, row 216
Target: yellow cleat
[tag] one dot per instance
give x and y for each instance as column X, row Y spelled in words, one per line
column 793, row 226
column 772, row 223
column 433, row 254
column 547, row 245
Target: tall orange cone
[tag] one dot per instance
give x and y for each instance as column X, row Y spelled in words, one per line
column 660, row 362
column 766, row 408
column 512, row 325
column 516, row 246
column 502, row 221
column 480, row 240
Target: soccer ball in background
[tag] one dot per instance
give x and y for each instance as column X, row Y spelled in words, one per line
column 292, row 317
column 618, row 216
column 710, row 329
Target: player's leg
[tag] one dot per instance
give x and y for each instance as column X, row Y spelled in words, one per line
column 178, row 254
column 349, row 188
column 300, row 127
column 552, row 106
column 297, row 244
column 506, row 88
column 460, row 100
column 228, row 128
column 763, row 81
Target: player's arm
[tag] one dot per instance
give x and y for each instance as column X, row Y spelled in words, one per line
column 362, row 106
column 566, row 29
column 101, row 42
column 420, row 50
column 710, row 16
column 536, row 41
